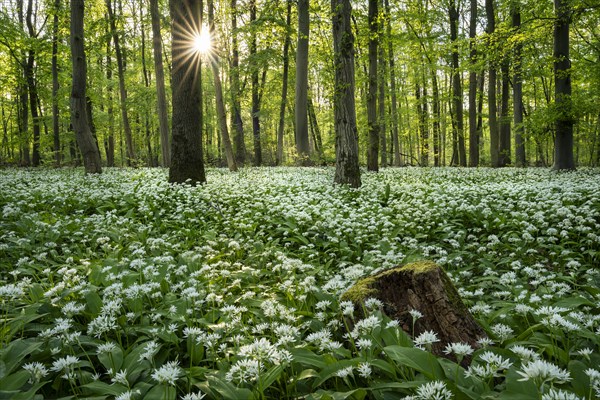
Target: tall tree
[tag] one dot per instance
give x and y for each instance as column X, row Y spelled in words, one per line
column 394, row 106
column 520, row 160
column 382, row 66
column 234, row 79
column 32, row 86
column 457, row 95
column 161, row 103
column 504, row 143
column 255, row 89
column 563, row 142
column 79, row 120
column 373, row 127
column 301, row 99
column 492, row 106
column 109, row 142
column 187, row 163
column 222, row 117
column 122, row 89
column 284, row 85
column 473, row 132
column 55, row 86
column 346, row 135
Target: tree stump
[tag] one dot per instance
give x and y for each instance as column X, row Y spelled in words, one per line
column 425, row 287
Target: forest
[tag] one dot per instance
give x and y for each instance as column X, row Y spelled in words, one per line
column 436, row 82
column 197, row 198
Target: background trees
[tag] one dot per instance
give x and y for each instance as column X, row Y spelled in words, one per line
column 502, row 50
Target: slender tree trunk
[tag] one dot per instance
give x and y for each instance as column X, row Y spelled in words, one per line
column 255, row 91
column 32, row 87
column 314, row 123
column 234, row 77
column 221, row 115
column 504, row 149
column 437, row 116
column 187, row 163
column 146, row 75
column 122, row 89
column 55, row 87
column 457, row 94
column 492, row 108
column 301, row 99
column 473, row 133
column 520, row 160
column 344, row 109
column 373, row 127
column 563, row 142
column 83, row 134
column 382, row 82
column 161, row 97
column 284, row 87
column 395, row 131
column 109, row 144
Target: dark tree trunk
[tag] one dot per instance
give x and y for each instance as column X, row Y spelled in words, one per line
column 457, row 95
column 187, row 163
column 32, row 87
column 221, row 115
column 284, row 87
column 395, row 134
column 473, row 132
column 346, row 136
column 373, row 127
column 55, row 87
column 520, row 159
column 492, row 105
column 255, row 91
column 301, row 99
column 314, row 124
column 146, row 75
column 79, row 120
column 109, row 143
column 382, row 82
column 161, row 103
column 437, row 117
column 234, row 76
column 563, row 142
column 122, row 89
column 504, row 149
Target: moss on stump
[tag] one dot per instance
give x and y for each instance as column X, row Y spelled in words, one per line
column 425, row 287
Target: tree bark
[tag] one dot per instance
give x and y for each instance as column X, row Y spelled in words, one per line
column 109, row 143
column 187, row 163
column 314, row 124
column 504, row 149
column 55, row 86
column 473, row 132
column 32, row 88
column 457, row 95
column 373, row 126
column 255, row 91
column 301, row 98
column 395, row 134
column 221, row 115
column 382, row 82
column 161, row 97
column 234, row 78
column 344, row 109
column 437, row 117
column 83, row 134
column 122, row 89
column 284, row 86
column 563, row 142
column 520, row 159
column 492, row 107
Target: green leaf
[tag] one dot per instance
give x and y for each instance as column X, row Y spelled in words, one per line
column 227, row 391
column 332, row 369
column 270, row 376
column 416, row 359
column 580, row 382
column 15, row 381
column 113, row 359
column 308, row 358
column 161, row 392
column 14, row 353
column 519, row 390
column 99, row 387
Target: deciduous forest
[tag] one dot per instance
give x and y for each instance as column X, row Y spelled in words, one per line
column 277, row 199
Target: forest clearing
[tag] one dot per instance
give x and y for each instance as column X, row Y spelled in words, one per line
column 122, row 285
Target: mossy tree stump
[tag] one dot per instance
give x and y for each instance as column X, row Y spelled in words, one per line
column 425, row 287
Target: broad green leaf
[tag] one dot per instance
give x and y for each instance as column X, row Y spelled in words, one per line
column 227, row 391
column 417, row 359
column 14, row 353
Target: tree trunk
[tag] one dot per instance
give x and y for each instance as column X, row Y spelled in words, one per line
column 187, row 163
column 346, row 135
column 109, row 143
column 161, row 98
column 563, row 142
column 395, row 132
column 424, row 287
column 55, row 87
column 255, row 91
column 301, row 99
column 83, row 134
column 234, row 77
column 221, row 115
column 373, row 127
column 314, row 124
column 457, row 95
column 32, row 87
column 473, row 133
column 437, row 116
column 382, row 82
column 122, row 90
column 504, row 149
column 520, row 159
column 492, row 108
column 284, row 87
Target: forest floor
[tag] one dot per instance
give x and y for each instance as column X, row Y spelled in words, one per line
column 124, row 286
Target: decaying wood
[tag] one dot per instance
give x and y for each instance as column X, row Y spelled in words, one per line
column 425, row 287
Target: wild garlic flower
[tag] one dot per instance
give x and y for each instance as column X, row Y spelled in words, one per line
column 415, row 315
column 426, row 339
column 490, row 365
column 150, row 350
column 128, row 395
column 244, row 371
column 344, row 372
column 364, row 370
column 524, row 353
column 558, row 394
column 193, row 396
column 37, row 370
column 459, row 349
column 373, row 304
column 543, row 371
column 435, row 390
column 64, row 364
column 106, row 347
column 502, row 332
column 167, row 373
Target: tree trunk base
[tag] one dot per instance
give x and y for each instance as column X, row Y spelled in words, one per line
column 425, row 287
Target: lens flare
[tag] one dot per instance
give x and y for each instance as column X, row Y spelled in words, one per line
column 202, row 41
